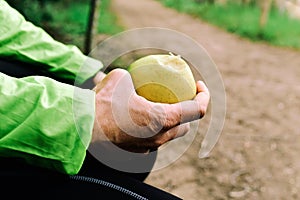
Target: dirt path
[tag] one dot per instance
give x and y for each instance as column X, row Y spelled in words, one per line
column 257, row 156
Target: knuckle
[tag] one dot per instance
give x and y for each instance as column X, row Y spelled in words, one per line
column 118, row 73
column 187, row 128
column 158, row 118
column 158, row 143
column 121, row 71
column 202, row 110
column 156, row 125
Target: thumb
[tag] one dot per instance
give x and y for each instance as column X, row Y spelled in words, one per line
column 98, row 77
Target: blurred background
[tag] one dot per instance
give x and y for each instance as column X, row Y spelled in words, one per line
column 69, row 21
column 274, row 21
column 255, row 44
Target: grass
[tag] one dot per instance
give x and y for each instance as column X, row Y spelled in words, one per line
column 69, row 22
column 75, row 16
column 243, row 20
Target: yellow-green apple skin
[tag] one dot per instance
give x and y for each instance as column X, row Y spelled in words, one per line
column 164, row 78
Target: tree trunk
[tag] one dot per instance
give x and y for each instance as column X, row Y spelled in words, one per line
column 265, row 8
column 92, row 27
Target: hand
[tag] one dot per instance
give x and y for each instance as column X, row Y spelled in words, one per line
column 136, row 124
column 98, row 77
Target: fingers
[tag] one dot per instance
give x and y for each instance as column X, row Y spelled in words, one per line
column 202, row 98
column 201, row 87
column 153, row 143
column 178, row 131
column 99, row 77
column 158, row 140
column 111, row 80
column 188, row 111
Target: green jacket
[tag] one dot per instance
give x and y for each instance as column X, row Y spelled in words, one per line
column 45, row 122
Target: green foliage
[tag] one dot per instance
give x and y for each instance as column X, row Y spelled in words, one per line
column 66, row 20
column 108, row 21
column 32, row 10
column 70, row 19
column 74, row 18
column 243, row 20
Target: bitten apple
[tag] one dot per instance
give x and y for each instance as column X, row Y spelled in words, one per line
column 164, row 78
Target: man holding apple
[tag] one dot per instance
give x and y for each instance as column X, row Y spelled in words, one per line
column 38, row 128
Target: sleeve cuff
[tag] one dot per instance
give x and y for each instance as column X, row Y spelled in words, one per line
column 88, row 69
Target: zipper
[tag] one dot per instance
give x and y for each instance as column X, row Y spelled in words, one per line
column 109, row 185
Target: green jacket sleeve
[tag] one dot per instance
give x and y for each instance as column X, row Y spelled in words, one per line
column 38, row 122
column 21, row 40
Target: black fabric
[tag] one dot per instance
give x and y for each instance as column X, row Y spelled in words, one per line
column 19, row 180
column 21, row 69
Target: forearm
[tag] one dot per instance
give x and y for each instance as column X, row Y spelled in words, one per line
column 45, row 122
column 21, row 40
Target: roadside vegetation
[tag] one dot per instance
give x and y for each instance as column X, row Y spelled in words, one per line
column 243, row 19
column 67, row 20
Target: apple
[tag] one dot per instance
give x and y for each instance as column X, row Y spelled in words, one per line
column 164, row 78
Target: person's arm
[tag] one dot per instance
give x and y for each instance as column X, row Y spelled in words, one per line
column 21, row 40
column 45, row 122
column 52, row 124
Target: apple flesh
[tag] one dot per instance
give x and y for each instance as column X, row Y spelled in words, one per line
column 164, row 78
